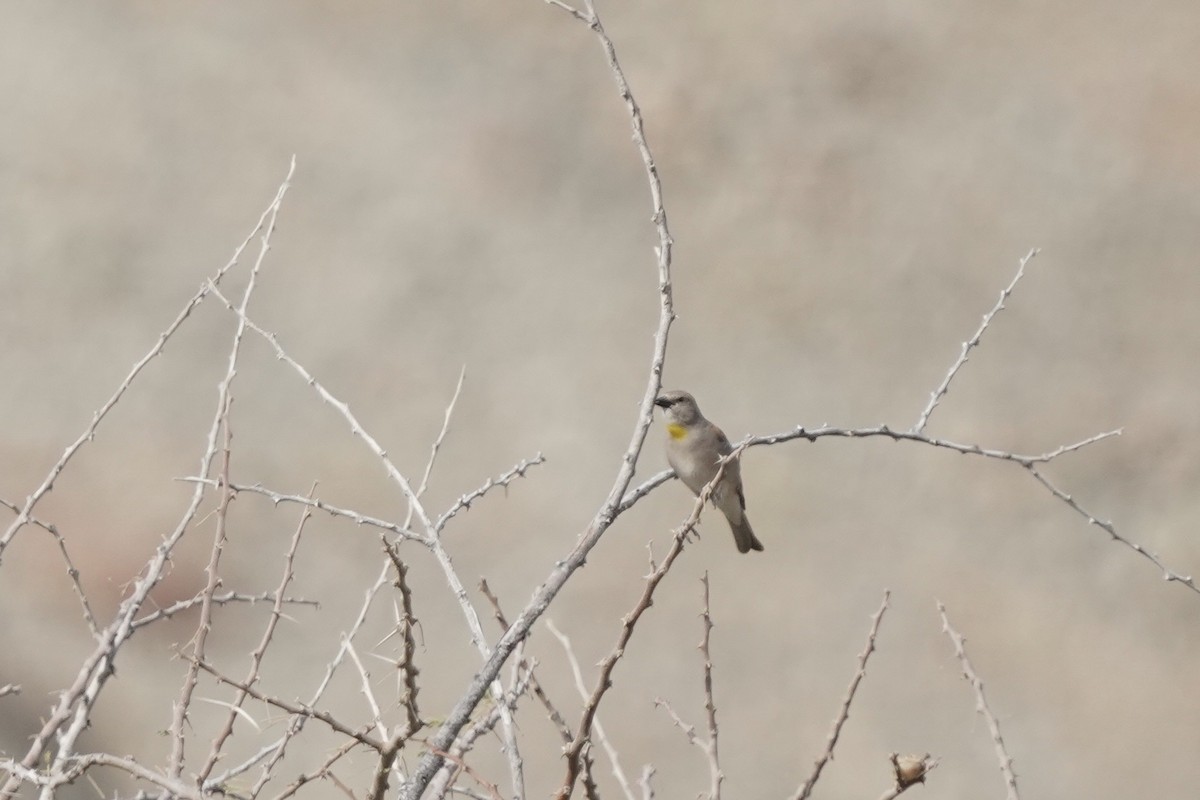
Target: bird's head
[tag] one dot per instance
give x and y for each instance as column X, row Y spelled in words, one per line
column 679, row 408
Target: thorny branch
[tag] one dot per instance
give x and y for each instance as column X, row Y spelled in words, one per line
column 959, row 642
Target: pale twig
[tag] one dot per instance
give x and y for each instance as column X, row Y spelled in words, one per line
column 332, row 510
column 710, row 706
column 604, row 517
column 320, row 773
column 650, row 484
column 959, row 642
column 367, row 691
column 812, row 434
column 471, row 793
column 275, row 752
column 346, row 790
column 1028, row 462
column 212, row 570
column 76, row 766
column 437, row 442
column 628, row 623
column 9, row 688
column 647, row 788
column 973, row 342
column 493, row 791
column 502, row 480
column 362, row 736
column 260, row 651
column 297, row 722
column 71, row 714
column 88, row 617
column 432, row 540
column 574, row 12
column 220, row 599
column 1108, row 527
column 564, row 730
column 707, row 746
column 1025, row 460
column 89, row 433
column 443, row 780
column 613, row 757
column 583, row 730
column 340, row 406
column 844, row 713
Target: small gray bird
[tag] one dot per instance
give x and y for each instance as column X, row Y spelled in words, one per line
column 694, row 449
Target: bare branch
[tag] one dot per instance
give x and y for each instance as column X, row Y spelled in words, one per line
column 608, row 512
column 940, row 392
column 710, row 706
column 503, row 480
column 212, row 570
column 334, row 511
column 1108, row 527
column 613, row 757
column 493, row 791
column 72, row 572
column 444, row 780
column 806, row 788
column 564, row 730
column 707, row 746
column 321, row 772
column 647, row 789
column 361, row 735
column 219, row 599
column 408, row 621
column 260, row 651
column 77, row 766
column 1010, row 778
column 74, row 705
column 89, row 433
column 1025, row 460
column 629, row 622
column 441, row 437
column 574, row 12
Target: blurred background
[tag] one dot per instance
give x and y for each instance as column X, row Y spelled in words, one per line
column 849, row 187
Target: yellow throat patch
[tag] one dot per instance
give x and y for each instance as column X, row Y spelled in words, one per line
column 676, row 431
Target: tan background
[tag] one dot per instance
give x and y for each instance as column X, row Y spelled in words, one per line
column 849, row 186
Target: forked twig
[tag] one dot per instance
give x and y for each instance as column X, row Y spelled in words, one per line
column 707, row 746
column 613, row 757
column 260, row 651
column 574, row 751
column 608, row 511
column 71, row 713
column 89, row 433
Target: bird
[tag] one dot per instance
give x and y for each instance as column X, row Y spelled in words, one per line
column 694, row 450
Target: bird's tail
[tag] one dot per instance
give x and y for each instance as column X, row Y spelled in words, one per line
column 743, row 535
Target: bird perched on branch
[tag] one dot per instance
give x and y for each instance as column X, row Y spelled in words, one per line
column 694, row 450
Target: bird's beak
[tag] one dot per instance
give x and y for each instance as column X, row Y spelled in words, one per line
column 662, row 402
